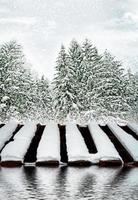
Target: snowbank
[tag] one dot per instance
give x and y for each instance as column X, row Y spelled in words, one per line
column 6, row 132
column 16, row 150
column 76, row 148
column 130, row 143
column 106, row 149
column 49, row 146
column 133, row 127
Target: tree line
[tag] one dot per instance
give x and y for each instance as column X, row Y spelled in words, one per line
column 86, row 85
column 22, row 94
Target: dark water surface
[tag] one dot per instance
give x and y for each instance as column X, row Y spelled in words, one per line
column 68, row 183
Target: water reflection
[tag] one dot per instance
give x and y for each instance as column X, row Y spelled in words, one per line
column 61, row 189
column 12, row 184
column 68, row 183
column 125, row 185
column 31, row 183
column 86, row 187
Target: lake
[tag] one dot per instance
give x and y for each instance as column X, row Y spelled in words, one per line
column 70, row 183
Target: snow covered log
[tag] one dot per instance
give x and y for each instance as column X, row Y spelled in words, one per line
column 6, row 132
column 128, row 141
column 27, row 131
column 76, row 148
column 133, row 127
column 48, row 152
column 107, row 154
column 14, row 152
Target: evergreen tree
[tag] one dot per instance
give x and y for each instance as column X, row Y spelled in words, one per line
column 90, row 65
column 22, row 95
column 132, row 94
column 62, row 87
column 44, row 101
column 76, row 76
column 85, row 82
column 11, row 62
column 110, row 87
column 29, row 97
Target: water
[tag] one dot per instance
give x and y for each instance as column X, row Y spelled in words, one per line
column 70, row 183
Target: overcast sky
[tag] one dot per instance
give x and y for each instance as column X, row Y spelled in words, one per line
column 41, row 26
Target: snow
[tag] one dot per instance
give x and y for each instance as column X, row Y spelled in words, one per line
column 5, row 98
column 105, row 148
column 133, row 127
column 2, row 105
column 128, row 141
column 6, row 132
column 27, row 131
column 16, row 150
column 76, row 147
column 49, row 146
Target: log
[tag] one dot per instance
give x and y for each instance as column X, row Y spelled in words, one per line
column 11, row 163
column 79, row 163
column 110, row 163
column 48, row 163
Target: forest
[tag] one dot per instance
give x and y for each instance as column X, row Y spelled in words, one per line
column 86, row 85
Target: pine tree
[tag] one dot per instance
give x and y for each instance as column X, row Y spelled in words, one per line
column 76, row 75
column 110, row 87
column 11, row 62
column 28, row 98
column 17, row 83
column 44, row 101
column 91, row 60
column 62, row 86
column 132, row 95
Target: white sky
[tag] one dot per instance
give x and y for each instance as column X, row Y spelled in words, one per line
column 41, row 26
